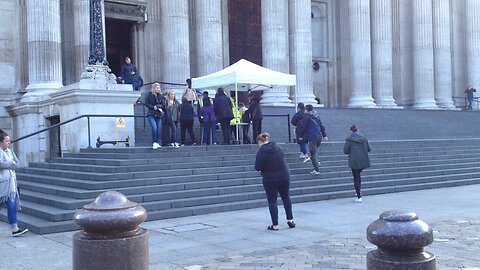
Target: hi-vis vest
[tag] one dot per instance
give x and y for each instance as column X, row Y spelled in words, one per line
column 237, row 115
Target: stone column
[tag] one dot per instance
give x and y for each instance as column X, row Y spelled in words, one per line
column 300, row 31
column 472, row 34
column 423, row 79
column 208, row 37
column 81, row 17
column 175, row 42
column 275, row 46
column 44, row 46
column 360, row 55
column 458, row 49
column 442, row 54
column 402, row 52
column 382, row 77
column 141, row 48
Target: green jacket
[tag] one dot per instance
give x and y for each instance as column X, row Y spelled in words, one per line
column 357, row 148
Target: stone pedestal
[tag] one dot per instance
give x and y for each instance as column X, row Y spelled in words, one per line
column 400, row 237
column 110, row 236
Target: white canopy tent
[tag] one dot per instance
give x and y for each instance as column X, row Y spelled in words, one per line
column 244, row 76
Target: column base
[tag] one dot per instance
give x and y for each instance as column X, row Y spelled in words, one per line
column 276, row 96
column 446, row 104
column 425, row 104
column 361, row 102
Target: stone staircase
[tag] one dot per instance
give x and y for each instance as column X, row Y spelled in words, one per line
column 198, row 180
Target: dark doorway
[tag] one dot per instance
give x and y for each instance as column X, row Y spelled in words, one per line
column 119, row 43
column 245, row 33
column 54, row 136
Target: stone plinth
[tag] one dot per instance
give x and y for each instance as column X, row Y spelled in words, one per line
column 110, row 236
column 400, row 237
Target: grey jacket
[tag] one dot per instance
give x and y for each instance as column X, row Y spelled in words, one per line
column 357, row 148
column 8, row 183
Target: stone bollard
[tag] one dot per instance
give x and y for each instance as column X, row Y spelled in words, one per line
column 110, row 236
column 400, row 237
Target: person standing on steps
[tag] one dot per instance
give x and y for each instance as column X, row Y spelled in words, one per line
column 9, row 194
column 155, row 102
column 256, row 115
column 270, row 161
column 357, row 148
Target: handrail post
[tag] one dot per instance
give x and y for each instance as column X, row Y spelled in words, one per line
column 289, row 131
column 88, row 126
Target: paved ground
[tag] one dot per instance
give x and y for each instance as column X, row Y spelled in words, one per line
column 329, row 235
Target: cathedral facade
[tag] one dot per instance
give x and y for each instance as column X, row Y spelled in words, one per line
column 417, row 54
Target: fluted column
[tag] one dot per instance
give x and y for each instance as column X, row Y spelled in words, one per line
column 81, row 17
column 423, row 79
column 275, row 46
column 44, row 46
column 208, row 37
column 141, row 47
column 300, row 28
column 402, row 52
column 382, row 77
column 175, row 41
column 458, row 49
column 472, row 33
column 442, row 54
column 360, row 54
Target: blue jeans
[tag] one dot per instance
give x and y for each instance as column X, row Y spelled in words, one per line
column 172, row 127
column 303, row 148
column 12, row 211
column 156, row 124
column 272, row 188
column 207, row 127
column 470, row 101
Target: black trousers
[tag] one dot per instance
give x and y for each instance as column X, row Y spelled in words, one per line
column 357, row 181
column 256, row 128
column 186, row 125
column 272, row 188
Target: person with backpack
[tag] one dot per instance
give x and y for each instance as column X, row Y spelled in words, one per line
column 313, row 131
column 137, row 80
column 186, row 121
column 297, row 120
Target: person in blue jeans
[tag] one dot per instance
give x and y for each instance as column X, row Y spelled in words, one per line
column 155, row 102
column 270, row 161
column 9, row 194
column 470, row 90
column 297, row 120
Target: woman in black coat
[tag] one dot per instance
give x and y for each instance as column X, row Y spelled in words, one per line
column 270, row 162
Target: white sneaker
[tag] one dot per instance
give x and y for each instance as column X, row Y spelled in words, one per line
column 359, row 200
column 176, row 145
column 307, row 159
column 314, row 172
column 303, row 156
column 155, row 146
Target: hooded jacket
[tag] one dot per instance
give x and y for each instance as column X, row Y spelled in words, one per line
column 311, row 128
column 357, row 148
column 270, row 162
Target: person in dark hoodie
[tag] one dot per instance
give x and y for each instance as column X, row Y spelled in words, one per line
column 297, row 121
column 222, row 107
column 186, row 121
column 270, row 161
column 256, row 115
column 357, row 148
column 312, row 130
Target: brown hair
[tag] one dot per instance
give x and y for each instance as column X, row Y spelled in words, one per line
column 263, row 137
column 354, row 128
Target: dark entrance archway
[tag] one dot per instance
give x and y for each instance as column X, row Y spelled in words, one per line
column 119, row 43
column 245, row 33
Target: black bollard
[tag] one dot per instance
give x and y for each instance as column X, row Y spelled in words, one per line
column 110, row 236
column 400, row 237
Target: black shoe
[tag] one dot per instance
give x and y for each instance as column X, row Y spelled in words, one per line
column 291, row 224
column 271, row 228
column 19, row 232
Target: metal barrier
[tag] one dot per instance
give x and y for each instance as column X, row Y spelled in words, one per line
column 465, row 102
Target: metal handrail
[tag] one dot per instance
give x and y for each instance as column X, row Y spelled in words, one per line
column 88, row 116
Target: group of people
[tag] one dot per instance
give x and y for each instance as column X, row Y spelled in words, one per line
column 270, row 160
column 168, row 112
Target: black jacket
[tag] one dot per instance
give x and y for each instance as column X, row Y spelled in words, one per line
column 270, row 162
column 222, row 107
column 186, row 111
column 255, row 110
column 152, row 100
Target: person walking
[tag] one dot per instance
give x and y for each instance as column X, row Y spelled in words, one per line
column 9, row 194
column 222, row 107
column 470, row 90
column 270, row 161
column 186, row 121
column 297, row 120
column 357, row 148
column 155, row 102
column 256, row 115
column 313, row 131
